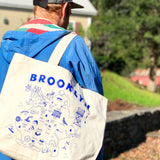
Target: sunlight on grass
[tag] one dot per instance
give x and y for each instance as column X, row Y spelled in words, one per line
column 117, row 87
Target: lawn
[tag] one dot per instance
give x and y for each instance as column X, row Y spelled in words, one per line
column 118, row 87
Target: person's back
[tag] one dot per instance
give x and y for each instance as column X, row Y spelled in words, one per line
column 38, row 38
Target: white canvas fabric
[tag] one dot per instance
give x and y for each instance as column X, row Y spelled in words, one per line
column 46, row 115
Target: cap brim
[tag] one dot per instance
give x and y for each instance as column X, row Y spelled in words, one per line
column 75, row 5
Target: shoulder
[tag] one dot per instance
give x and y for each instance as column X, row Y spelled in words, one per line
column 79, row 60
column 79, row 48
column 78, row 40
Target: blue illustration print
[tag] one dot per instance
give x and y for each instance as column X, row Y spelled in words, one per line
column 48, row 124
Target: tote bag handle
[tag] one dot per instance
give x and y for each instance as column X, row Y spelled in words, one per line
column 60, row 48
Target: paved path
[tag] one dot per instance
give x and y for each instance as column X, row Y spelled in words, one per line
column 117, row 115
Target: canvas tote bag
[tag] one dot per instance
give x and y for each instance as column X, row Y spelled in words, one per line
column 46, row 115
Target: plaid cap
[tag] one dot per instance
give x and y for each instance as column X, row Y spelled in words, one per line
column 44, row 3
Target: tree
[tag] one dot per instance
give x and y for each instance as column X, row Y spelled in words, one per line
column 127, row 32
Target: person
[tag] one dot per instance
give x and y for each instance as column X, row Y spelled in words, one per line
column 37, row 39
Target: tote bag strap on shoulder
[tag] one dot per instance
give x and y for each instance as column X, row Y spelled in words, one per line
column 60, row 48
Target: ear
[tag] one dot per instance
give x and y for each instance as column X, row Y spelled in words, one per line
column 64, row 8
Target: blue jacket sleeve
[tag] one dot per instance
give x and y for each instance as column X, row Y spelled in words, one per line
column 3, row 157
column 79, row 60
column 3, row 68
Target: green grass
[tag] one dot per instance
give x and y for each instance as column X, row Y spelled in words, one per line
column 117, row 87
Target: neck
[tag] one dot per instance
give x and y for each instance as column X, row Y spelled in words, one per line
column 51, row 16
column 49, row 19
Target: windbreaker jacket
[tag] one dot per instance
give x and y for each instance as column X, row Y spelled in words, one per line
column 39, row 43
column 37, row 39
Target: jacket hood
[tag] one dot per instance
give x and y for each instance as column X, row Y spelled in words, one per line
column 27, row 43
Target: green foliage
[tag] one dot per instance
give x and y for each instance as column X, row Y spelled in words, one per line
column 70, row 27
column 81, row 31
column 126, row 31
column 117, row 87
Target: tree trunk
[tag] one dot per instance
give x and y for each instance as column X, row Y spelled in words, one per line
column 152, row 71
column 152, row 78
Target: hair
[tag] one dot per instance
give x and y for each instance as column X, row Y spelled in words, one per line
column 54, row 13
column 50, row 8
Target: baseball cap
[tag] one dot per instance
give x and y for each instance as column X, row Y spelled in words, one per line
column 44, row 3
